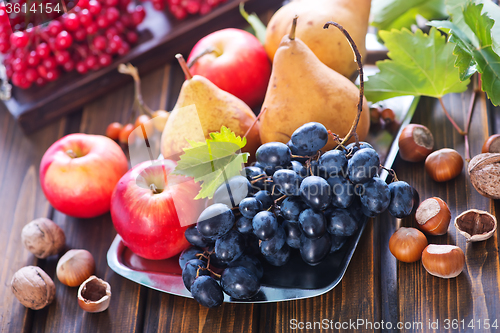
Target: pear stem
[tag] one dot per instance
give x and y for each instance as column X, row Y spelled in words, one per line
column 291, row 36
column 357, row 56
column 184, row 66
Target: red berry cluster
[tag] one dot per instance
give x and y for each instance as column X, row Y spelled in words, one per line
column 84, row 39
column 182, row 8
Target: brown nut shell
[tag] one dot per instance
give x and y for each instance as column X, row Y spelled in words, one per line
column 74, row 267
column 484, row 172
column 43, row 238
column 33, row 287
column 492, row 144
column 433, row 216
column 407, row 244
column 476, row 225
column 94, row 295
column 444, row 261
column 415, row 143
column 444, row 164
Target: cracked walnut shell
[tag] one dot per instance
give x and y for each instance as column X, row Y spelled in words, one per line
column 476, row 225
column 484, row 171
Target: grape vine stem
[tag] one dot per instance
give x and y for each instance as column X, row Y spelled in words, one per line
column 357, row 56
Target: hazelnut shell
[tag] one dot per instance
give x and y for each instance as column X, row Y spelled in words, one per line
column 407, row 244
column 492, row 144
column 94, row 295
column 33, row 287
column 484, row 172
column 433, row 216
column 74, row 267
column 444, row 164
column 415, row 143
column 476, row 225
column 444, row 261
column 43, row 238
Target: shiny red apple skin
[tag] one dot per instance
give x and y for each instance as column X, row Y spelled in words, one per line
column 149, row 223
column 238, row 65
column 82, row 187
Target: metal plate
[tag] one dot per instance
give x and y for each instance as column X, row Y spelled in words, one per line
column 296, row 279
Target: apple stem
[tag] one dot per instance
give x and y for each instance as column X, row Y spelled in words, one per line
column 71, row 153
column 184, row 66
column 291, row 36
column 205, row 52
column 357, row 55
column 154, row 189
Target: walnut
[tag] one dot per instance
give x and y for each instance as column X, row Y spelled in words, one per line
column 484, row 171
column 43, row 238
column 33, row 287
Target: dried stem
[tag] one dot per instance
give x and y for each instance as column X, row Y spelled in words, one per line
column 184, row 66
column 255, row 121
column 291, row 35
column 357, row 56
column 139, row 101
column 459, row 130
column 205, row 52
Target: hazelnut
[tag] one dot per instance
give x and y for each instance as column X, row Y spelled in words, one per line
column 415, row 143
column 484, row 171
column 444, row 261
column 74, row 267
column 444, row 164
column 407, row 244
column 433, row 216
column 33, row 287
column 492, row 144
column 387, row 115
column 476, row 225
column 43, row 238
column 94, row 295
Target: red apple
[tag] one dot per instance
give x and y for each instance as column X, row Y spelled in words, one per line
column 237, row 64
column 151, row 208
column 79, row 172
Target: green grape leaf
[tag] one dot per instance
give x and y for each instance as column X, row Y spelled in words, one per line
column 419, row 64
column 213, row 162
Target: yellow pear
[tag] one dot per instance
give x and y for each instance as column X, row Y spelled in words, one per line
column 303, row 89
column 203, row 108
column 330, row 47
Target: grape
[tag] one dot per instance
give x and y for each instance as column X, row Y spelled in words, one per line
column 334, row 162
column 272, row 245
column 191, row 269
column 299, row 152
column 239, row 283
column 194, row 237
column 337, row 243
column 354, row 148
column 299, row 169
column 293, row 234
column 315, row 192
column 249, row 207
column 244, row 225
column 318, row 170
column 214, row 261
column 264, row 225
column 253, row 173
column 341, row 223
column 291, row 208
column 376, row 197
column 251, row 244
column 273, row 154
column 265, row 198
column 312, row 224
column 287, row 182
column 215, row 221
column 189, row 254
column 310, row 137
column 251, row 263
column 233, row 191
column 401, row 199
column 363, row 165
column 230, row 246
column 207, row 291
column 315, row 250
column 342, row 191
column 279, row 258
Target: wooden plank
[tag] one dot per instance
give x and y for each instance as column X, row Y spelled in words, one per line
column 95, row 235
column 473, row 294
column 21, row 200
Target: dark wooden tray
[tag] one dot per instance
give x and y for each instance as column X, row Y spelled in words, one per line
column 161, row 37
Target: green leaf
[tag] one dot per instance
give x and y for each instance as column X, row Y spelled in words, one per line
column 213, row 162
column 419, row 64
column 255, row 23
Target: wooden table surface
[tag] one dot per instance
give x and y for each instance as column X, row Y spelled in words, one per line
column 375, row 288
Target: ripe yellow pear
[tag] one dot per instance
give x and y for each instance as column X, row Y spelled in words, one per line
column 303, row 89
column 214, row 108
column 329, row 46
